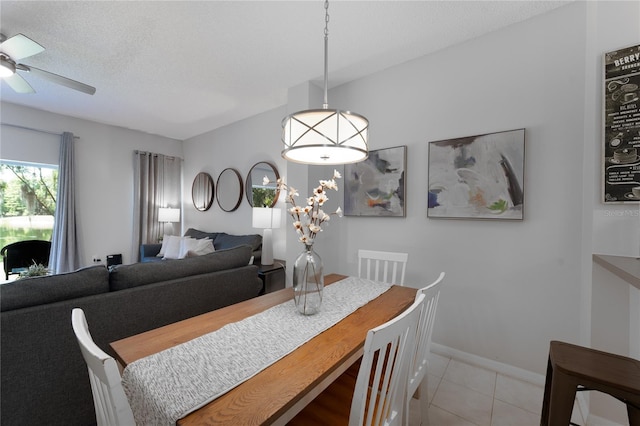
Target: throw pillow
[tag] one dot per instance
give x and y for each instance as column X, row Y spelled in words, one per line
column 172, row 251
column 165, row 240
column 205, row 246
column 196, row 248
column 187, row 244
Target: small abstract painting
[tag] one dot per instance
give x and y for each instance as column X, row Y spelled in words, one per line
column 477, row 177
column 376, row 186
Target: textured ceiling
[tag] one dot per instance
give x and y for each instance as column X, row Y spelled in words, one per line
column 182, row 68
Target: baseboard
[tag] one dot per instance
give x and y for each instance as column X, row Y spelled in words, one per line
column 500, row 367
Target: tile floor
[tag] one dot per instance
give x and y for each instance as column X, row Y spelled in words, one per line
column 465, row 395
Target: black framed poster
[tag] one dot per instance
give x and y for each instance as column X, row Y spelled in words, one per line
column 621, row 144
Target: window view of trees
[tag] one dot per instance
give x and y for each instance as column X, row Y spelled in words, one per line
column 263, row 197
column 27, row 202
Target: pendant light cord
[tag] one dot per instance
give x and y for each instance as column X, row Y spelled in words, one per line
column 325, row 105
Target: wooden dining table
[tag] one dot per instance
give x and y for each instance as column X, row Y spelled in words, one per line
column 277, row 393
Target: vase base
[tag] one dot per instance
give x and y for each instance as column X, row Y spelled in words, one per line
column 309, row 303
column 308, row 282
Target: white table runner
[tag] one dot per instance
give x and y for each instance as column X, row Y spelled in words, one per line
column 168, row 385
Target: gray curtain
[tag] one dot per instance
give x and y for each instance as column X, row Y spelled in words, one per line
column 157, row 183
column 64, row 244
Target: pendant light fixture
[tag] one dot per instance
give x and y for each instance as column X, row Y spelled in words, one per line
column 325, row 136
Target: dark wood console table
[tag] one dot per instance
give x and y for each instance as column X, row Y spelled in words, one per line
column 272, row 276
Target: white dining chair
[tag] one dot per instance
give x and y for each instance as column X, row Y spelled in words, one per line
column 383, row 266
column 417, row 383
column 109, row 399
column 377, row 396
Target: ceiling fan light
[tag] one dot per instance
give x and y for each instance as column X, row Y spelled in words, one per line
column 7, row 68
column 325, row 136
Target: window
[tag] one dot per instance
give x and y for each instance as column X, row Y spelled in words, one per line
column 27, row 201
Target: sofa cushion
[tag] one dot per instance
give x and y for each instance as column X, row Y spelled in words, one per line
column 222, row 240
column 137, row 274
column 194, row 233
column 150, row 251
column 225, row 241
column 34, row 291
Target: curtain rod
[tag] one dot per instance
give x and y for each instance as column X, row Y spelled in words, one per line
column 35, row 130
column 155, row 154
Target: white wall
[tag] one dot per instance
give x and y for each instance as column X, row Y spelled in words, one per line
column 104, row 172
column 239, row 146
column 611, row 332
column 616, row 227
column 511, row 286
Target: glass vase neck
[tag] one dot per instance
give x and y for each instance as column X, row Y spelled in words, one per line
column 308, row 247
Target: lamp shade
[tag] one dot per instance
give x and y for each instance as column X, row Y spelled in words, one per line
column 166, row 214
column 266, row 218
column 325, row 136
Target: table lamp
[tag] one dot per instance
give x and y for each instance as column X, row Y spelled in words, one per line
column 266, row 218
column 168, row 215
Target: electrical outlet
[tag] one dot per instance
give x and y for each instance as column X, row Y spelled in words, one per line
column 96, row 259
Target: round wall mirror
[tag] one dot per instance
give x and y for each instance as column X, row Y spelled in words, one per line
column 258, row 194
column 202, row 191
column 229, row 190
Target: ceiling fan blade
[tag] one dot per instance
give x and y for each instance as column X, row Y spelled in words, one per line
column 20, row 46
column 64, row 81
column 19, row 84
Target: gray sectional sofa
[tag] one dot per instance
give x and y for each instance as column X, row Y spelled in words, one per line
column 44, row 378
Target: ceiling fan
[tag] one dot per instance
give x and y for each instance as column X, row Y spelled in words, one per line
column 19, row 47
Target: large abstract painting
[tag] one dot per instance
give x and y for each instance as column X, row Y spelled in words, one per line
column 376, row 186
column 477, row 177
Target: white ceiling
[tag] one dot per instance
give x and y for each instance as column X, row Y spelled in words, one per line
column 182, row 68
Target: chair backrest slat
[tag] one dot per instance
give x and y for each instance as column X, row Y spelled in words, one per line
column 419, row 367
column 380, row 393
column 389, row 267
column 110, row 401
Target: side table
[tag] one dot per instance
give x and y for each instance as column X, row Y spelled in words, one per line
column 272, row 276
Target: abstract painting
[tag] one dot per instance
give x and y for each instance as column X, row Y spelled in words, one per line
column 477, row 177
column 376, row 186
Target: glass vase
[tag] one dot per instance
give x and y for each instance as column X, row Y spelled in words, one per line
column 308, row 281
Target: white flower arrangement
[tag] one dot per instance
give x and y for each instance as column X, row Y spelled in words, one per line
column 308, row 219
